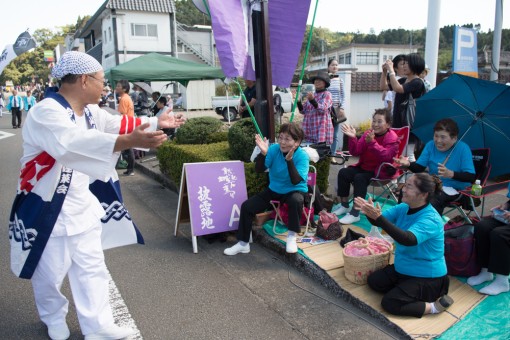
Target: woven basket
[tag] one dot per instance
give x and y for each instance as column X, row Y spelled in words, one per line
column 358, row 268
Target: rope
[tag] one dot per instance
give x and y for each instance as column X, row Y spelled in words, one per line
column 298, row 91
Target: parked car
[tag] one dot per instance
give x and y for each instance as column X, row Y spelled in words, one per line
column 282, row 101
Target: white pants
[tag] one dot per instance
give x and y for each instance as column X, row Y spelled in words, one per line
column 81, row 258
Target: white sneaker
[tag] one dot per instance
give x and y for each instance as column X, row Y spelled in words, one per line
column 111, row 333
column 349, row 219
column 291, row 246
column 341, row 210
column 59, row 332
column 236, row 249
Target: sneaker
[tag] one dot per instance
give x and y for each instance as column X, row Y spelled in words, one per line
column 59, row 332
column 340, row 210
column 111, row 333
column 349, row 219
column 443, row 303
column 236, row 249
column 291, row 246
column 129, row 173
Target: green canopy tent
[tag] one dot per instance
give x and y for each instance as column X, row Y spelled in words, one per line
column 158, row 67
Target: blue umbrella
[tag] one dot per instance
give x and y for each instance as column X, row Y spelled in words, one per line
column 481, row 108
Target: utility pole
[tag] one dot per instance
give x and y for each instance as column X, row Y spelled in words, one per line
column 496, row 40
column 264, row 110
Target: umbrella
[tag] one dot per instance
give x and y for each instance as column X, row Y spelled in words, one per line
column 144, row 86
column 481, row 109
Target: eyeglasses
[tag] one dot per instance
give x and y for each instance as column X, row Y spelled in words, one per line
column 286, row 139
column 104, row 81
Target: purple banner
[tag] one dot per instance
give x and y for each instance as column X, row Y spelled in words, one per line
column 287, row 24
column 216, row 191
column 230, row 35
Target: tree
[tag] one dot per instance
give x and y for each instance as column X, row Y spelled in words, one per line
column 187, row 14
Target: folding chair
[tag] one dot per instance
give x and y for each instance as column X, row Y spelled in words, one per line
column 307, row 210
column 388, row 183
column 482, row 166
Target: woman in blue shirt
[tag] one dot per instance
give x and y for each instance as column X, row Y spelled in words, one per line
column 417, row 283
column 288, row 173
column 493, row 250
column 448, row 158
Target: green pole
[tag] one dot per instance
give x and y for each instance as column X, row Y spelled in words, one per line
column 304, row 63
column 249, row 109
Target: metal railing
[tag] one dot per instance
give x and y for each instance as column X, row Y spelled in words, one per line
column 196, row 47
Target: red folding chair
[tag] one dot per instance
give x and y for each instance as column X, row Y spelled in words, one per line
column 307, row 210
column 388, row 183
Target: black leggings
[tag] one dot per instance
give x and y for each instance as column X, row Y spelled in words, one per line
column 359, row 178
column 261, row 202
column 493, row 245
column 406, row 295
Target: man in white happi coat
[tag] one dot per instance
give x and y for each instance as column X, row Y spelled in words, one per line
column 86, row 140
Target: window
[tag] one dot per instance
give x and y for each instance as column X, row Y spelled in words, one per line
column 344, row 59
column 105, row 40
column 367, row 58
column 110, row 33
column 144, row 30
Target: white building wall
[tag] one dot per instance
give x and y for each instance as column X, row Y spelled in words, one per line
column 127, row 42
column 363, row 105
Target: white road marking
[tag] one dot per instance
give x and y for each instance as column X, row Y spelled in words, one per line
column 6, row 134
column 120, row 311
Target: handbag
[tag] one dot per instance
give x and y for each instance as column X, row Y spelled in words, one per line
column 459, row 247
column 337, row 115
column 328, row 227
column 410, row 110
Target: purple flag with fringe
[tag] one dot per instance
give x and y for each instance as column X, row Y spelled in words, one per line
column 231, row 22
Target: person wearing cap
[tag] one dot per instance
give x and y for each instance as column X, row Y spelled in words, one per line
column 317, row 123
column 68, row 141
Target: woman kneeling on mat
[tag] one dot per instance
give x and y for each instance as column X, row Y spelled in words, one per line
column 288, row 166
column 417, row 283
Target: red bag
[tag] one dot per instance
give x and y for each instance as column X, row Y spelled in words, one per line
column 459, row 248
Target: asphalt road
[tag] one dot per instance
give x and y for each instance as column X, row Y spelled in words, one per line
column 167, row 292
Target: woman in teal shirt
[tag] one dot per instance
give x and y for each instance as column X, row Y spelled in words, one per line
column 448, row 158
column 288, row 166
column 417, row 283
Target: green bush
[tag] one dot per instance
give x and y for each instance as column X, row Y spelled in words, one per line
column 255, row 181
column 172, row 156
column 198, row 130
column 241, row 139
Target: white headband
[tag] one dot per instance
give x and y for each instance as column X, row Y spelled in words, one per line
column 73, row 62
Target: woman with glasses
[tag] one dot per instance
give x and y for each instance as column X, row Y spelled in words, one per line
column 416, row 283
column 376, row 146
column 288, row 172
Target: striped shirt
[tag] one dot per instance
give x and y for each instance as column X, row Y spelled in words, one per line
column 337, row 92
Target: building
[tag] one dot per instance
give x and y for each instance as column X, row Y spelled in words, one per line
column 360, row 68
column 121, row 30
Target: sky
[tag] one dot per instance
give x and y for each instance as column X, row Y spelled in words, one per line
column 337, row 15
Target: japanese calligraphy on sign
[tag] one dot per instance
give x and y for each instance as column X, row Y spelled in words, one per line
column 216, row 191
